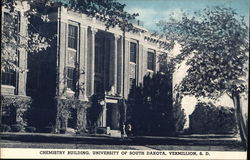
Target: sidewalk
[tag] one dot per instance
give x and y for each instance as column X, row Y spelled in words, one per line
column 106, row 139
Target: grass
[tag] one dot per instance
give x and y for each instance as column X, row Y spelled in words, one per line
column 197, row 147
column 63, row 146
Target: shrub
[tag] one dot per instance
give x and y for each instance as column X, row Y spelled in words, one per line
column 30, row 129
column 48, row 129
column 208, row 118
column 4, row 128
column 62, row 131
column 101, row 131
column 17, row 128
column 153, row 98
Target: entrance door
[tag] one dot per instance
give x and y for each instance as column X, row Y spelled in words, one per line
column 72, row 119
column 113, row 116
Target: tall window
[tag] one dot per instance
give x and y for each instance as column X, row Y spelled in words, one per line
column 8, row 77
column 10, row 25
column 71, row 78
column 163, row 66
column 10, row 28
column 72, row 57
column 133, row 52
column 99, row 55
column 151, row 61
column 72, row 37
column 99, row 65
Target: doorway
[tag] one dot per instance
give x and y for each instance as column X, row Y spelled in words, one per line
column 113, row 116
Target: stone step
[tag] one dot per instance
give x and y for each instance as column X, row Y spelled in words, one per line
column 115, row 133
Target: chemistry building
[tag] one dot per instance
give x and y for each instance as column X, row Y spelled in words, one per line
column 85, row 63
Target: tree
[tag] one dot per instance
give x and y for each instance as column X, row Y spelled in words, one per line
column 109, row 11
column 154, row 99
column 217, row 41
column 14, row 41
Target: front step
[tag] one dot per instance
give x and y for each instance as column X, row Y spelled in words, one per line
column 114, row 133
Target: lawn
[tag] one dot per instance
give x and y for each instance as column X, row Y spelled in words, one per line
column 17, row 144
column 197, row 147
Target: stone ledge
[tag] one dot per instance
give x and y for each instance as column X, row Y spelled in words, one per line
column 7, row 90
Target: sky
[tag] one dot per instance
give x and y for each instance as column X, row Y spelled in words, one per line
column 152, row 11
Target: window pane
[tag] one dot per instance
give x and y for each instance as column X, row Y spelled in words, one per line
column 71, row 78
column 10, row 25
column 71, row 57
column 99, row 53
column 133, row 52
column 8, row 78
column 151, row 61
column 72, row 37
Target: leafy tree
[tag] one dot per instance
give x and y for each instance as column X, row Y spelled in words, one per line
column 109, row 11
column 14, row 41
column 208, row 118
column 216, row 39
column 154, row 99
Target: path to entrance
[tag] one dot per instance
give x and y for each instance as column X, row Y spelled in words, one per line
column 141, row 148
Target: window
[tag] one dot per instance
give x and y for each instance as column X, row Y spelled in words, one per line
column 71, row 58
column 132, row 83
column 132, row 86
column 11, row 25
column 99, row 53
column 72, row 37
column 8, row 78
column 71, row 78
column 133, row 52
column 98, row 86
column 163, row 66
column 151, row 61
column 8, row 25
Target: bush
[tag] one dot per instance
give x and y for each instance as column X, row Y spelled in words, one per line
column 62, row 131
column 101, row 131
column 30, row 129
column 16, row 128
column 47, row 129
column 208, row 118
column 4, row 128
column 153, row 98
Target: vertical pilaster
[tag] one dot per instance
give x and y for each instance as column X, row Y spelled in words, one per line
column 157, row 64
column 120, row 66
column 104, row 116
column 140, row 63
column 91, row 61
column 83, row 62
column 113, row 60
column 22, row 76
column 126, row 65
column 62, row 33
column 145, row 61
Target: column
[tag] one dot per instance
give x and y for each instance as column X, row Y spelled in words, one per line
column 157, row 64
column 120, row 66
column 126, row 69
column 104, row 116
column 61, row 56
column 115, row 63
column 140, row 63
column 91, row 61
column 83, row 62
column 22, row 58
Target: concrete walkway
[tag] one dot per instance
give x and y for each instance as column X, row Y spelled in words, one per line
column 134, row 141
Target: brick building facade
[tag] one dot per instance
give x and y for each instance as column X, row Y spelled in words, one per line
column 14, row 101
column 85, row 60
